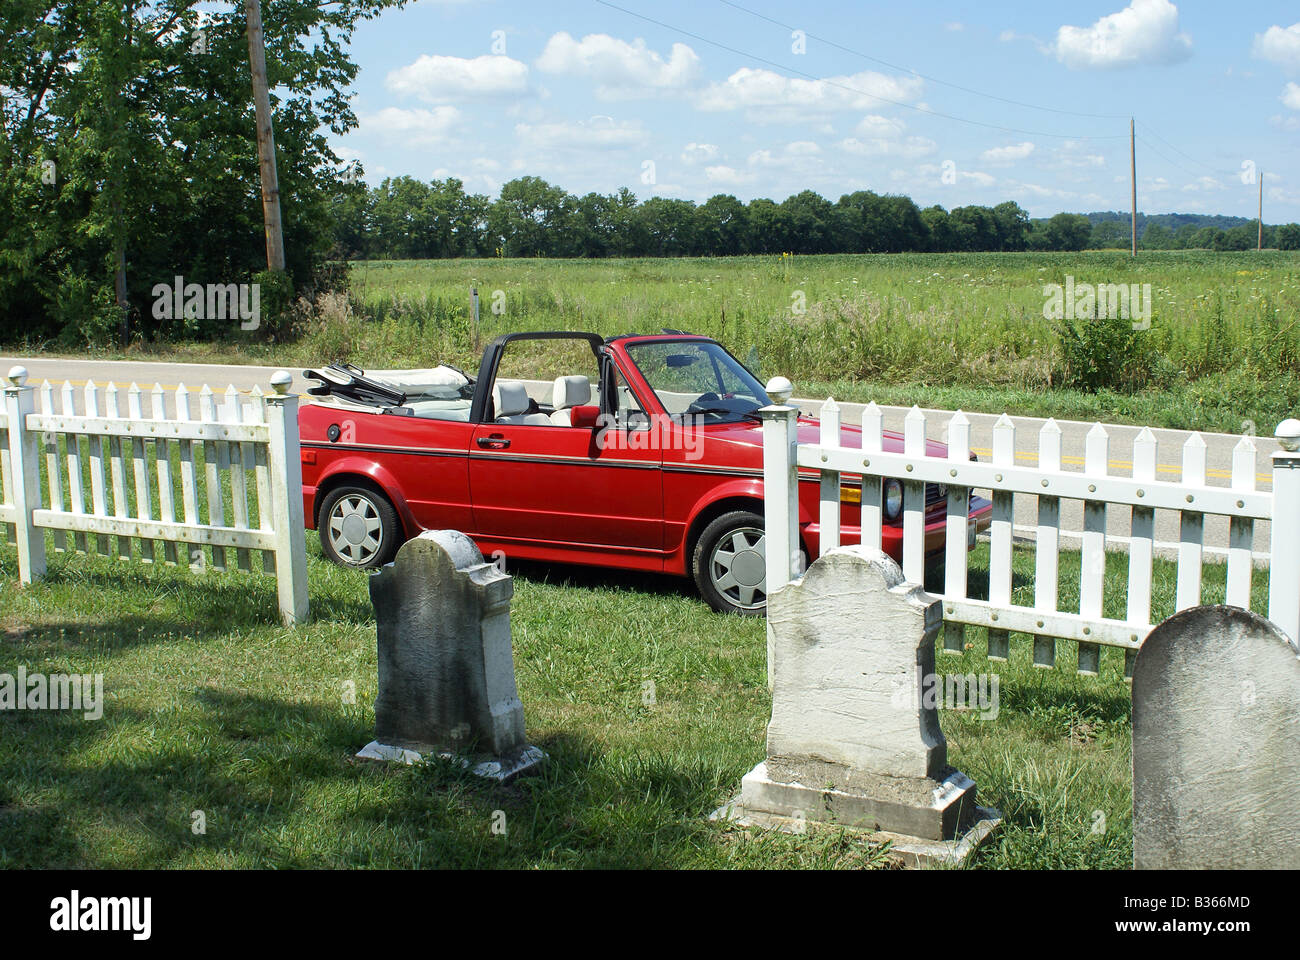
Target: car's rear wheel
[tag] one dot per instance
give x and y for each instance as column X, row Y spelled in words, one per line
column 358, row 528
column 730, row 566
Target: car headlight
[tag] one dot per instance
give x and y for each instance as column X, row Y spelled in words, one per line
column 893, row 499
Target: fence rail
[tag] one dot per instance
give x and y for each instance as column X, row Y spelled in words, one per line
column 158, row 482
column 1140, row 494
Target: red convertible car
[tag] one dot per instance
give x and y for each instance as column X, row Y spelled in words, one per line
column 638, row 452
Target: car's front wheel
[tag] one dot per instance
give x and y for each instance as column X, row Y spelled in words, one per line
column 730, row 565
column 358, row 528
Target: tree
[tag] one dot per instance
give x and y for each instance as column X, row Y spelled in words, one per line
column 724, row 226
column 145, row 112
column 1288, row 236
column 1068, row 231
column 527, row 216
column 1012, row 221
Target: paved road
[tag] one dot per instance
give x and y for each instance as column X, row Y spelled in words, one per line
column 1219, row 447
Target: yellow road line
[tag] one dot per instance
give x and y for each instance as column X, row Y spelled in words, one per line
column 1127, row 465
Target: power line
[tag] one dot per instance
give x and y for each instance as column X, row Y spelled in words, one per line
column 901, row 69
column 1170, row 160
column 1199, row 163
column 854, row 90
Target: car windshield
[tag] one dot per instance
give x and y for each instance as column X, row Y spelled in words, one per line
column 698, row 378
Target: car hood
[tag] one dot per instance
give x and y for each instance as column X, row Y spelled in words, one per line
column 733, row 437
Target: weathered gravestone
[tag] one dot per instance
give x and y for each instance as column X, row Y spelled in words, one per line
column 1216, row 743
column 843, row 746
column 446, row 666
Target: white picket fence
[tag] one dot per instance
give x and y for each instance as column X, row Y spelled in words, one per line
column 1141, row 494
column 246, row 445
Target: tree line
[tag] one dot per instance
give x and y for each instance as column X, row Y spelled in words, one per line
column 404, row 218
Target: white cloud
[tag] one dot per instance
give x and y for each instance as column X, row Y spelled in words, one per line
column 802, row 148
column 1144, row 32
column 699, row 152
column 411, row 126
column 879, row 136
column 600, row 133
column 1203, row 185
column 438, row 79
column 620, row 69
column 1291, row 95
column 755, row 89
column 1008, row 154
column 1279, row 44
column 730, row 176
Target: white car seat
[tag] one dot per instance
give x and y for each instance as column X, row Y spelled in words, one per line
column 510, row 401
column 568, row 392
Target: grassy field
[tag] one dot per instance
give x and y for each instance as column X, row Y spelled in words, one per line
column 943, row 330
column 212, row 706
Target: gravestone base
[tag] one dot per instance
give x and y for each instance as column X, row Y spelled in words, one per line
column 500, row 769
column 928, row 822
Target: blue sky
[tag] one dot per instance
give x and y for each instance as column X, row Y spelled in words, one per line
column 713, row 98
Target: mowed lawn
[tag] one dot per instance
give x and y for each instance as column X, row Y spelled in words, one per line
column 212, row 706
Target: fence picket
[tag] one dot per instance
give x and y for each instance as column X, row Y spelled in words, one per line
column 1192, row 528
column 262, row 478
column 189, row 484
column 121, row 508
column 7, row 479
column 140, row 471
column 72, row 448
column 1092, row 573
column 1241, row 530
column 1142, row 535
column 53, row 472
column 98, row 445
column 1047, row 545
column 830, row 481
column 914, row 500
column 216, row 460
column 873, row 420
column 1000, row 533
column 163, row 466
column 233, row 412
column 955, row 555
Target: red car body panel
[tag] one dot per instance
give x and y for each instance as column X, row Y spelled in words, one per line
column 553, row 493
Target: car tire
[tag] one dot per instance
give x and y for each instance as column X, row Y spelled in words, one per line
column 358, row 528
column 729, row 565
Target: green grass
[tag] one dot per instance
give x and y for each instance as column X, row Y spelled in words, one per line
column 213, row 706
column 936, row 329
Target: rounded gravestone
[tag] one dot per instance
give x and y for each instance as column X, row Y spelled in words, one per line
column 1216, row 743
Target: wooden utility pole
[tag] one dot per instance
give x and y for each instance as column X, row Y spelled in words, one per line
column 265, row 138
column 1260, row 245
column 1133, row 178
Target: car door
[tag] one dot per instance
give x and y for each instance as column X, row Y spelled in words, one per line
column 569, row 487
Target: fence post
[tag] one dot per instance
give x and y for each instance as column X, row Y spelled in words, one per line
column 1284, row 553
column 24, row 453
column 780, row 493
column 284, row 457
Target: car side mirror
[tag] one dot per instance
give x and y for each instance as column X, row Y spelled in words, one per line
column 587, row 418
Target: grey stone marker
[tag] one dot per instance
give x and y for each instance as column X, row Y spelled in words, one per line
column 843, row 746
column 446, row 666
column 1216, row 744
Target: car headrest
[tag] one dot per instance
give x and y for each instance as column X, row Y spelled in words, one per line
column 570, row 392
column 509, row 398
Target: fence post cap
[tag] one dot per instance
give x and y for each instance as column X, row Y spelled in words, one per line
column 17, row 376
column 281, row 380
column 780, row 390
column 1288, row 435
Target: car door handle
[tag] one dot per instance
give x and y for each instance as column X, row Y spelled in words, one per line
column 493, row 443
